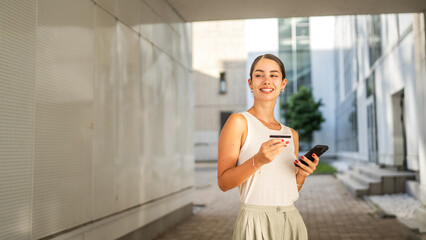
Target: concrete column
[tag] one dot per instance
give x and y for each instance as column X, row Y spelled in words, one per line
column 420, row 65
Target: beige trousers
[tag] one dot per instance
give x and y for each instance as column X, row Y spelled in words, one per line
column 269, row 223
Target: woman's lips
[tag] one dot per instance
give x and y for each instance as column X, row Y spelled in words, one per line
column 266, row 90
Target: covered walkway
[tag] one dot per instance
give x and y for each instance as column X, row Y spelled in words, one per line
column 97, row 116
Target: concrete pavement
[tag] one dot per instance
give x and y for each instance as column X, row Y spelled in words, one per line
column 328, row 210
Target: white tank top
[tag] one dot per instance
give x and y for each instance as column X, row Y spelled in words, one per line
column 274, row 184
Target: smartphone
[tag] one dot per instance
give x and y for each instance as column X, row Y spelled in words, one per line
column 318, row 150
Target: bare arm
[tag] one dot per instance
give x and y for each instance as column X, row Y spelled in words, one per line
column 299, row 178
column 230, row 142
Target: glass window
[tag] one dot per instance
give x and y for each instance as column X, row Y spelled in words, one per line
column 405, row 21
column 222, row 86
column 284, row 28
column 375, row 38
column 294, row 51
column 302, row 29
column 347, row 127
column 337, row 75
column 370, row 85
column 348, row 61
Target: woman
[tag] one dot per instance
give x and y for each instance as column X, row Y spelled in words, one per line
column 264, row 169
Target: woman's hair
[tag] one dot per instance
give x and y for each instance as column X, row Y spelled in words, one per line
column 270, row 57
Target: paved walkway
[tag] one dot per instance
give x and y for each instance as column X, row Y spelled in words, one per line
column 328, row 210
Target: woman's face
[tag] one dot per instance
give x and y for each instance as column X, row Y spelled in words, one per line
column 267, row 80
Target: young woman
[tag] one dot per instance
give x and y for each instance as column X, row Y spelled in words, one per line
column 263, row 168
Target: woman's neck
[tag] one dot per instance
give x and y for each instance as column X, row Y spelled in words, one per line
column 263, row 111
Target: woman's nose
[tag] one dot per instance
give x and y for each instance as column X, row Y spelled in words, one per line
column 267, row 80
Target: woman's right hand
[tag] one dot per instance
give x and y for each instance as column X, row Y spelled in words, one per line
column 269, row 150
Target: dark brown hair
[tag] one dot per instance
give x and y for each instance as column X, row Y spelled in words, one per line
column 270, row 57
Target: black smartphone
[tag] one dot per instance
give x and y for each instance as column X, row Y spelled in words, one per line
column 318, row 150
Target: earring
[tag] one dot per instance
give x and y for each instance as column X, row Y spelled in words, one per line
column 251, row 89
column 282, row 91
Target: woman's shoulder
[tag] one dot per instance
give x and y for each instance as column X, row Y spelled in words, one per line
column 236, row 123
column 235, row 127
column 237, row 119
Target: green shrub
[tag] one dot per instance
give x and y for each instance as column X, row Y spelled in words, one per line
column 325, row 168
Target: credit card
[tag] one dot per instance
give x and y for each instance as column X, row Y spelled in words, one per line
column 280, row 136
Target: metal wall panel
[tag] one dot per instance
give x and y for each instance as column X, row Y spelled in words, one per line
column 162, row 37
column 128, row 164
column 148, row 19
column 150, row 98
column 176, row 38
column 170, row 171
column 180, row 138
column 92, row 113
column 63, row 116
column 147, row 124
column 157, row 121
column 105, row 115
column 168, row 106
column 17, row 54
column 110, row 6
column 186, row 45
column 166, row 12
column 130, row 13
column 188, row 165
column 141, row 122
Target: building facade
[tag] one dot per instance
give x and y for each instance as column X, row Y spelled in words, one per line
column 219, row 64
column 375, row 86
column 379, row 91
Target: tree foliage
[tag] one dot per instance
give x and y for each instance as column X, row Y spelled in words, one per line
column 302, row 114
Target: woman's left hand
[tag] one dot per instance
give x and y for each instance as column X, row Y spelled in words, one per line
column 307, row 170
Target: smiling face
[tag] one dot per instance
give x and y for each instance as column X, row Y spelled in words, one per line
column 267, row 79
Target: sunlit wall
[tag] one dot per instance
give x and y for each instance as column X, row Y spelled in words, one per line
column 219, row 60
column 96, row 117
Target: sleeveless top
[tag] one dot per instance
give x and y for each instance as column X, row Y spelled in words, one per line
column 273, row 184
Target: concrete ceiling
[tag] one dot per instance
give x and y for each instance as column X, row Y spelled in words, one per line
column 205, row 10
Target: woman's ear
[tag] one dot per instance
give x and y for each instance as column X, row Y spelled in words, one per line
column 249, row 83
column 283, row 83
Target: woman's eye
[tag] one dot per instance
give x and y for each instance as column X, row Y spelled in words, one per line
column 258, row 75
column 274, row 75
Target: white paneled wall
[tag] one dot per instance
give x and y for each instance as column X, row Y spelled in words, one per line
column 63, row 116
column 17, row 54
column 394, row 72
column 105, row 142
column 127, row 161
column 96, row 116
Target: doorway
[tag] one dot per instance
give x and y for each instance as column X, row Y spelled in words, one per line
column 399, row 135
column 372, row 131
column 223, row 118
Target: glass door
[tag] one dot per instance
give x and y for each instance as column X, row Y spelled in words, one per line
column 372, row 131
